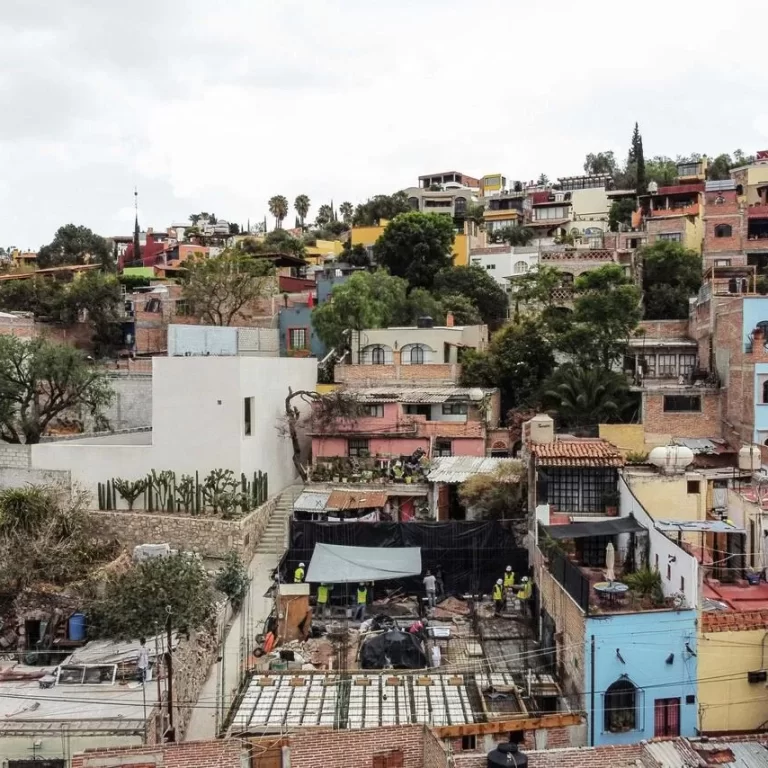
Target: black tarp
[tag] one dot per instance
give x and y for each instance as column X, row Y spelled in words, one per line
column 471, row 554
column 396, row 649
column 609, row 527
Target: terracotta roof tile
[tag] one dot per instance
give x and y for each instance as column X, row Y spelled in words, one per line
column 576, row 452
column 734, row 622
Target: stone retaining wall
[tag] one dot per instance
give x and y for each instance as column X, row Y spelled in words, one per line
column 209, row 536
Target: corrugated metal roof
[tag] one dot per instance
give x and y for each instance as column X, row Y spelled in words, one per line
column 420, row 395
column 682, row 753
column 311, row 501
column 720, row 186
column 456, row 469
column 702, row 445
column 698, row 526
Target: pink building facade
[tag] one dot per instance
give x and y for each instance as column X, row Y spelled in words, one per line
column 441, row 422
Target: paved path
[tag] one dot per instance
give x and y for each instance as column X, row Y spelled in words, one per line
column 203, row 722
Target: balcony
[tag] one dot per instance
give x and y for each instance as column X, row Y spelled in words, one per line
column 675, row 210
column 585, row 254
column 431, row 374
column 757, row 212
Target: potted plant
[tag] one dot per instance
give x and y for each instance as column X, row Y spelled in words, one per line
column 611, row 503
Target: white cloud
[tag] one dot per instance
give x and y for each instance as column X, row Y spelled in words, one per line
column 220, row 106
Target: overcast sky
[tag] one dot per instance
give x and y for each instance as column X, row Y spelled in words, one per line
column 218, row 105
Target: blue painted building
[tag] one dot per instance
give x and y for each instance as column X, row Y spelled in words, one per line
column 640, row 676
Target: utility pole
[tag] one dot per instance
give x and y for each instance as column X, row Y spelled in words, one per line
column 158, row 733
column 171, row 735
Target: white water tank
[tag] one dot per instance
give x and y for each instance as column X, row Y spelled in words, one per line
column 671, row 459
column 541, row 429
column 750, row 458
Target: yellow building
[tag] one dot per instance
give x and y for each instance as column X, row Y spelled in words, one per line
column 730, row 646
column 24, row 259
column 492, row 182
column 323, row 250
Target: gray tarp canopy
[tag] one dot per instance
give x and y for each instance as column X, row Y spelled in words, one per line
column 596, row 528
column 335, row 564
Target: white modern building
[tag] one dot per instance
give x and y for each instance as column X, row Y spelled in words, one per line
column 207, row 413
column 505, row 262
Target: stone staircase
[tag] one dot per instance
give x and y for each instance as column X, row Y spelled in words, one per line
column 273, row 539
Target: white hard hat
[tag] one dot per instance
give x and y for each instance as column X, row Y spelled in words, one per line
column 499, row 581
column 301, row 565
column 525, row 579
column 509, row 567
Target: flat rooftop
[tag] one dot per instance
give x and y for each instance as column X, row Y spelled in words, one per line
column 736, row 597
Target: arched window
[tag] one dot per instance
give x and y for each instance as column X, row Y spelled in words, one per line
column 417, row 355
column 377, row 356
column 520, row 267
column 460, row 206
column 723, row 230
column 620, row 706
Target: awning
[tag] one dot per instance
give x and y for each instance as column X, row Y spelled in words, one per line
column 342, row 500
column 341, row 565
column 311, row 501
column 697, row 526
column 608, row 527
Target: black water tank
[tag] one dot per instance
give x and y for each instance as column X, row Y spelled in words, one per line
column 507, row 755
column 425, row 321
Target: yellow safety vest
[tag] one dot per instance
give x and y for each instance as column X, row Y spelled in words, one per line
column 509, row 579
column 298, row 575
column 322, row 594
column 497, row 593
column 362, row 596
column 526, row 591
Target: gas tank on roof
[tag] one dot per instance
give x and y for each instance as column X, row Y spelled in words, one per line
column 671, row 459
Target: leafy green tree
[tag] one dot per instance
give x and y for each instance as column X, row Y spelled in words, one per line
column 475, row 213
column 720, row 168
column 202, row 218
column 516, row 235
column 416, row 246
column 464, row 310
column 418, row 303
column 100, row 297
column 606, row 312
column 584, row 396
column 233, row 580
column 518, row 360
column 75, row 245
column 41, row 381
column 371, row 212
column 136, row 602
column 535, row 289
column 662, row 170
column 671, row 276
column 739, row 158
column 278, row 207
column 280, row 241
column 543, row 179
column 347, row 211
column 356, row 255
column 602, row 162
column 637, row 159
column 218, row 288
column 301, row 204
column 620, row 213
column 366, row 300
column 488, row 297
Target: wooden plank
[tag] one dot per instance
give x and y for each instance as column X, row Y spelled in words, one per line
column 501, row 726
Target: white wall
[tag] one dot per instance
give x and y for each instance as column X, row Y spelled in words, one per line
column 684, row 565
column 198, row 424
column 501, row 265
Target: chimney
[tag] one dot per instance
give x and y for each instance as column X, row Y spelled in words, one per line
column 449, row 320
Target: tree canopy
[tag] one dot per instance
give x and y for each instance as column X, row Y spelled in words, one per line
column 416, row 246
column 671, row 276
column 519, row 358
column 301, row 204
column 371, row 212
column 41, row 381
column 74, row 244
column 476, row 285
column 601, row 162
column 278, row 207
column 218, row 288
column 620, row 214
column 513, row 235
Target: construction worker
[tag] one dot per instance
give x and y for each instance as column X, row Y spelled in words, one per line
column 498, row 596
column 362, row 599
column 509, row 578
column 323, row 599
column 525, row 592
column 298, row 574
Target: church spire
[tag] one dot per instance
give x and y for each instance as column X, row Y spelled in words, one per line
column 136, row 243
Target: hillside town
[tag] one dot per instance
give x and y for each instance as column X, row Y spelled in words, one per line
column 472, row 473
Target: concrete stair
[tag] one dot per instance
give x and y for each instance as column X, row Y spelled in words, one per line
column 273, row 540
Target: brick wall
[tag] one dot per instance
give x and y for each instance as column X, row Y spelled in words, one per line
column 17, row 456
column 665, row 329
column 373, row 375
column 356, row 749
column 131, row 406
column 704, row 423
column 209, row 536
column 21, row 326
column 194, row 754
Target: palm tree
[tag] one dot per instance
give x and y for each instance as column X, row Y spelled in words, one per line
column 301, row 204
column 278, row 207
column 586, row 397
column 346, row 209
column 324, row 215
